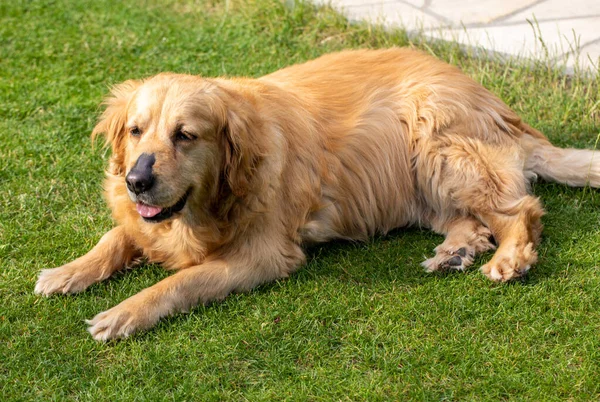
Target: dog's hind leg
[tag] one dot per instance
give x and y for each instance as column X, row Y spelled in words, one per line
column 517, row 229
column 113, row 252
column 465, row 238
column 467, row 176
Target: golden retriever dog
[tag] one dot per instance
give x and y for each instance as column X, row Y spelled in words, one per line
column 225, row 180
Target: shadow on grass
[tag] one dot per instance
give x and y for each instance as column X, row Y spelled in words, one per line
column 395, row 258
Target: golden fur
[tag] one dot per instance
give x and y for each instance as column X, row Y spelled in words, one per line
column 345, row 146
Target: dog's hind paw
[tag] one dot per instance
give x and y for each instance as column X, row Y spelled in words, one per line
column 449, row 260
column 510, row 262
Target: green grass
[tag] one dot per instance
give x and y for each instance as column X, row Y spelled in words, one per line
column 360, row 321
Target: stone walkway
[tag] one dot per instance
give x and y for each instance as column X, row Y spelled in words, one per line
column 569, row 29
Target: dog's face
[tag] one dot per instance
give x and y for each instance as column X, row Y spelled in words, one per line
column 173, row 138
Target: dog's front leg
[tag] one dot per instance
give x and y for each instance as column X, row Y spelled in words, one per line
column 212, row 280
column 113, row 252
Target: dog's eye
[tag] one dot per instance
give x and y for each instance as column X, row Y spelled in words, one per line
column 181, row 135
column 135, row 131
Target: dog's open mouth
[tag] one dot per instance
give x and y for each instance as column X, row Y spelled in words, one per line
column 152, row 213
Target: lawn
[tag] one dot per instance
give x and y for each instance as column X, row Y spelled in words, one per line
column 359, row 321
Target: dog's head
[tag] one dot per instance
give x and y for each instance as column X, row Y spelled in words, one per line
column 177, row 139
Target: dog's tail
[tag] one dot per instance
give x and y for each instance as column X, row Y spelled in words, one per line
column 574, row 167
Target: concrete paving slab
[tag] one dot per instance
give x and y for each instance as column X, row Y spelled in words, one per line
column 589, row 58
column 417, row 3
column 503, row 26
column 522, row 39
column 389, row 13
column 469, row 12
column 352, row 3
column 559, row 9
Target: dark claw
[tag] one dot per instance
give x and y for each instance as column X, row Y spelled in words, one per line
column 455, row 261
column 462, row 252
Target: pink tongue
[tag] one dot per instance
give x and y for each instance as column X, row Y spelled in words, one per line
column 147, row 211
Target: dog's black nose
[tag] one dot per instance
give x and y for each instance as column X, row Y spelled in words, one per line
column 140, row 177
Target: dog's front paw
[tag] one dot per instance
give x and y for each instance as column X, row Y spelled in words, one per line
column 121, row 321
column 65, row 279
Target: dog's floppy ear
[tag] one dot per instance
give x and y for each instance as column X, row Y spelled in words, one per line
column 113, row 120
column 242, row 146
